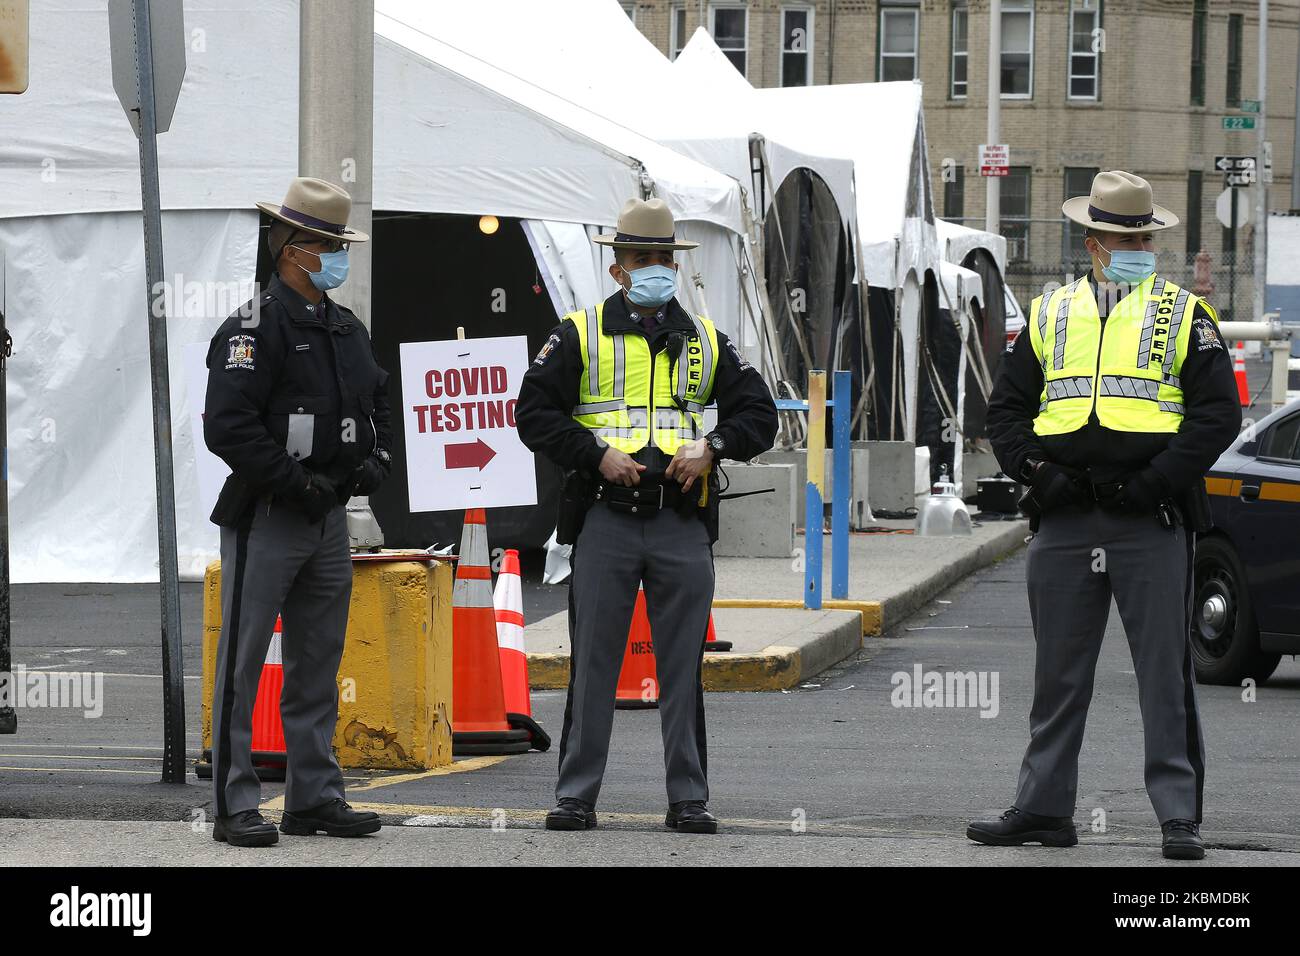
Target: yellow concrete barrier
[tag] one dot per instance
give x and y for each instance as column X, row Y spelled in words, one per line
column 395, row 678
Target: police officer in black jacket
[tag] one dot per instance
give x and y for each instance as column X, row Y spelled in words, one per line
column 1115, row 400
column 616, row 397
column 298, row 408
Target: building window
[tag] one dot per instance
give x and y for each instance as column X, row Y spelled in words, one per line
column 1014, row 206
column 1233, row 97
column 1018, row 49
column 1085, row 61
column 1200, row 18
column 960, row 18
column 676, row 30
column 629, row 7
column 899, row 29
column 1078, row 182
column 730, row 29
column 954, row 194
column 1192, row 222
column 796, row 46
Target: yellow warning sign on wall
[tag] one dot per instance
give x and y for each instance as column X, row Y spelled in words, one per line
column 13, row 45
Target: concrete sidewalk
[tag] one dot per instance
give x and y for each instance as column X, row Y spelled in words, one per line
column 145, row 843
column 891, row 573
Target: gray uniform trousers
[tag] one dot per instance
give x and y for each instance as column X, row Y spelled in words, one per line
column 281, row 564
column 670, row 555
column 1147, row 569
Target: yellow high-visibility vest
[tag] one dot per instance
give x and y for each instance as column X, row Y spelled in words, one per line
column 1128, row 370
column 623, row 392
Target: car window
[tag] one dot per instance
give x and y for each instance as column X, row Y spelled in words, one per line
column 1280, row 442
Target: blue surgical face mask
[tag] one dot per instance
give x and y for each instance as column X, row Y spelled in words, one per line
column 653, row 285
column 333, row 270
column 1129, row 267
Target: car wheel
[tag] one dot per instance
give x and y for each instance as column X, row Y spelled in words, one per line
column 1225, row 638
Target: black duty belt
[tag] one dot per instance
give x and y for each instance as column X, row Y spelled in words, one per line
column 643, row 500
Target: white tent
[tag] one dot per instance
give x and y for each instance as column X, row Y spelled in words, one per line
column 452, row 135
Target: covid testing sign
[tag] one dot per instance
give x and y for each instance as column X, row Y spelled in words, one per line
column 458, row 414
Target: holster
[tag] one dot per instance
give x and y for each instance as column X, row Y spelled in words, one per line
column 576, row 496
column 234, row 504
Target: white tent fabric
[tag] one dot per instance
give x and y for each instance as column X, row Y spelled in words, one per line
column 958, row 241
column 81, row 457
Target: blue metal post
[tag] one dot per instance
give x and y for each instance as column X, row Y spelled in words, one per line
column 813, row 514
column 843, row 481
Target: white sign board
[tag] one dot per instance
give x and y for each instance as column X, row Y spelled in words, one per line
column 995, row 160
column 1223, row 209
column 458, row 415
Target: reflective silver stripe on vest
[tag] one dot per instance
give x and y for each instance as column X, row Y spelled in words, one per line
column 706, row 356
column 620, row 364
column 695, row 407
column 1124, row 386
column 1175, row 407
column 1149, row 323
column 1173, row 380
column 1078, row 387
column 1171, row 347
column 595, row 408
column 1062, row 314
column 1042, row 323
column 593, row 353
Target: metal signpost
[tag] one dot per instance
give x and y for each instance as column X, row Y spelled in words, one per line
column 8, row 716
column 147, row 72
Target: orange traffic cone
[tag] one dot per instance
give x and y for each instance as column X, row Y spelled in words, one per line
column 478, row 711
column 711, row 642
column 269, row 754
column 509, row 601
column 638, row 683
column 1239, row 372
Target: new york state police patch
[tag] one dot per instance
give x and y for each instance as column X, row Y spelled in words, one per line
column 240, row 352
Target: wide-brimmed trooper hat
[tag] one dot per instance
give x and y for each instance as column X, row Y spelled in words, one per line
column 1119, row 202
column 645, row 224
column 317, row 207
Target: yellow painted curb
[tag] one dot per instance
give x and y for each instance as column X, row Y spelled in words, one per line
column 775, row 668
column 871, row 611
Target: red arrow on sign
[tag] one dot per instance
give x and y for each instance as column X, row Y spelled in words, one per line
column 474, row 454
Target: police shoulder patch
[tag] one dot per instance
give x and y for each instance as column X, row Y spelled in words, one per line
column 547, row 349
column 241, row 352
column 735, row 354
column 1205, row 334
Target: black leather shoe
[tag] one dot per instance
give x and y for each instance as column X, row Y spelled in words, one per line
column 1182, row 840
column 571, row 814
column 246, row 828
column 691, row 816
column 336, row 818
column 1016, row 828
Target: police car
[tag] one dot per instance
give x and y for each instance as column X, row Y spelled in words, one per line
column 1246, row 576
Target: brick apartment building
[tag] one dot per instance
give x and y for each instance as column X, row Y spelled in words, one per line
column 1142, row 85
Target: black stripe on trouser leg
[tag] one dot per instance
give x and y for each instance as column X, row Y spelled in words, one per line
column 1194, row 754
column 700, row 737
column 232, row 653
column 568, row 700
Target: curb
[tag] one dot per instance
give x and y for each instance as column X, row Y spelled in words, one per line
column 899, row 606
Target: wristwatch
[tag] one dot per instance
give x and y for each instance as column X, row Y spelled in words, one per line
column 717, row 444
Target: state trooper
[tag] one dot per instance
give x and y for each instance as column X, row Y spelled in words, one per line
column 616, row 396
column 298, row 407
column 1112, row 405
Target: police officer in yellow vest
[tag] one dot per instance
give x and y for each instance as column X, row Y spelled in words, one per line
column 1112, row 405
column 616, row 397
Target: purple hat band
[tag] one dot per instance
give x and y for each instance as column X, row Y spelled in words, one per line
column 628, row 237
column 305, row 220
column 1132, row 222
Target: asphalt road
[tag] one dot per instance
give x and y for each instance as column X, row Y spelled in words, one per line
column 833, row 759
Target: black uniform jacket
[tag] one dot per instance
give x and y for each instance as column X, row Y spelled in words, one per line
column 293, row 388
column 747, row 418
column 1211, row 420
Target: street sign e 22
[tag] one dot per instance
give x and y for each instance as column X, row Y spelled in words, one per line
column 1238, row 122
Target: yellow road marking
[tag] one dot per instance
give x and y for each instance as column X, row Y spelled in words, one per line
column 151, row 773
column 74, row 757
column 460, row 766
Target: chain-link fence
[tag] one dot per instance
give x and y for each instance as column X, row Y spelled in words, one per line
column 1045, row 253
